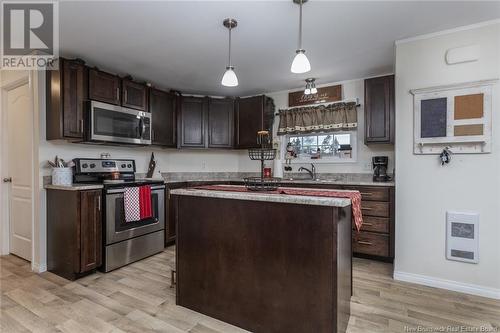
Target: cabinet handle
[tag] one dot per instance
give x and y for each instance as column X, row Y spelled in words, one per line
column 80, row 124
column 99, row 202
column 126, row 95
column 117, row 93
column 364, row 243
column 366, row 194
column 368, row 224
column 366, row 208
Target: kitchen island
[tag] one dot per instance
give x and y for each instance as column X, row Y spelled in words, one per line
column 265, row 262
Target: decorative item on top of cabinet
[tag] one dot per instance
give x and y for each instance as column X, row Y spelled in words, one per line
column 379, row 110
column 163, row 108
column 252, row 114
column 74, row 232
column 134, row 94
column 104, row 87
column 192, row 122
column 67, row 89
column 220, row 122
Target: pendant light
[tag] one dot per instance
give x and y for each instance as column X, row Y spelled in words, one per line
column 229, row 79
column 310, row 87
column 300, row 63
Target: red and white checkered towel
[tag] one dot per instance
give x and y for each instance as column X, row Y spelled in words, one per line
column 137, row 203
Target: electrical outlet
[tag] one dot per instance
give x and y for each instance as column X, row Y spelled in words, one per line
column 203, row 165
column 367, row 166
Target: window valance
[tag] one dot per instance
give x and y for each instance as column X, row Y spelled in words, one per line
column 312, row 119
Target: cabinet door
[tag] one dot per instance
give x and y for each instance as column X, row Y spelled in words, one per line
column 220, row 123
column 74, row 90
column 162, row 106
column 90, row 230
column 104, row 87
column 249, row 120
column 134, row 95
column 379, row 109
column 192, row 122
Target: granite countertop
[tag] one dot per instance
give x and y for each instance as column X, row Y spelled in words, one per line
column 73, row 187
column 259, row 196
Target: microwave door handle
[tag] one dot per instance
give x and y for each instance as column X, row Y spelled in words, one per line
column 141, row 127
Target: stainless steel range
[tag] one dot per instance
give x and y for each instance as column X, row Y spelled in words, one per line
column 124, row 242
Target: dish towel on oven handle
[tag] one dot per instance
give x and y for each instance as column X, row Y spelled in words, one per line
column 137, row 203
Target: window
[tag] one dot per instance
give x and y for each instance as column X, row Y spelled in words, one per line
column 328, row 147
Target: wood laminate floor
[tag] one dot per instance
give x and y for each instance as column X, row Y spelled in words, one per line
column 138, row 298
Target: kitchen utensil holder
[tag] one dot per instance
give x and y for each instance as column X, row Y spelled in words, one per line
column 62, row 176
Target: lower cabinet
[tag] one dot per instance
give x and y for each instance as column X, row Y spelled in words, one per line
column 74, row 232
column 170, row 227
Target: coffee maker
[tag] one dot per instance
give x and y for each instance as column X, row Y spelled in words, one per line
column 380, row 168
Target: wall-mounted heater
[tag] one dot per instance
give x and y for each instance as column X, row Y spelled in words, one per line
column 462, row 241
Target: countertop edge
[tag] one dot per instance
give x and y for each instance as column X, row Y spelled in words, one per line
column 73, row 187
column 280, row 198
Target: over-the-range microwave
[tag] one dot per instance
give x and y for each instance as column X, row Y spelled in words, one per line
column 116, row 124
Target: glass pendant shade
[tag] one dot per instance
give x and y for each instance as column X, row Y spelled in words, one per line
column 229, row 79
column 300, row 63
column 307, row 91
column 314, row 90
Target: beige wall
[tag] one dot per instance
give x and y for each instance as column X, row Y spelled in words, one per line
column 425, row 190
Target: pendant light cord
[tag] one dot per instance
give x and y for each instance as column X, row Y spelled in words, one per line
column 229, row 57
column 300, row 26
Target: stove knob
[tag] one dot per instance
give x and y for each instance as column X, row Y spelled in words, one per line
column 92, row 165
column 85, row 166
column 123, row 166
column 129, row 165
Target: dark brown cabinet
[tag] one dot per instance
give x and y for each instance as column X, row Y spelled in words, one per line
column 220, row 123
column 162, row 106
column 379, row 110
column 74, row 232
column 104, row 87
column 134, row 95
column 192, row 123
column 67, row 90
column 170, row 210
column 252, row 114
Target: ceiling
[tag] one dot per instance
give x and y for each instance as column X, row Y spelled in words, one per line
column 183, row 45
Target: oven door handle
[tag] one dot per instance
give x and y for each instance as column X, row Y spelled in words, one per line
column 122, row 190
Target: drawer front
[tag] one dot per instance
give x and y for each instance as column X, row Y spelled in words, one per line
column 369, row 243
column 373, row 193
column 375, row 208
column 377, row 224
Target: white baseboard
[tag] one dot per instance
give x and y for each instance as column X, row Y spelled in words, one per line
column 38, row 268
column 448, row 284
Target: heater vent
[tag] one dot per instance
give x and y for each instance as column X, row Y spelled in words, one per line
column 462, row 243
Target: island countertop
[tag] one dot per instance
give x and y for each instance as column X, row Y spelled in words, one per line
column 265, row 196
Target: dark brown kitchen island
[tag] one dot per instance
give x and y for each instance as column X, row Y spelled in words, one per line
column 265, row 262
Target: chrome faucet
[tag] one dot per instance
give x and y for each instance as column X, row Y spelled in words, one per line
column 311, row 172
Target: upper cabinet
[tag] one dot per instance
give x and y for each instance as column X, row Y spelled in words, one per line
column 192, row 122
column 162, row 106
column 67, row 90
column 379, row 110
column 104, row 87
column 220, row 122
column 134, row 95
column 252, row 114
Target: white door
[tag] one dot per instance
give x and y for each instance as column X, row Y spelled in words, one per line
column 20, row 170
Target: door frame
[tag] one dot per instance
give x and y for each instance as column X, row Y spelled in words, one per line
column 32, row 79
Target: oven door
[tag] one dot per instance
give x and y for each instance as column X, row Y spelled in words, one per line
column 118, row 230
column 112, row 123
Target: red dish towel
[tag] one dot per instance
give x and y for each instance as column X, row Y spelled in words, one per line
column 137, row 203
column 355, row 196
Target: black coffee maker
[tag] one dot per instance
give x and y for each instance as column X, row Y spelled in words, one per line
column 380, row 168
